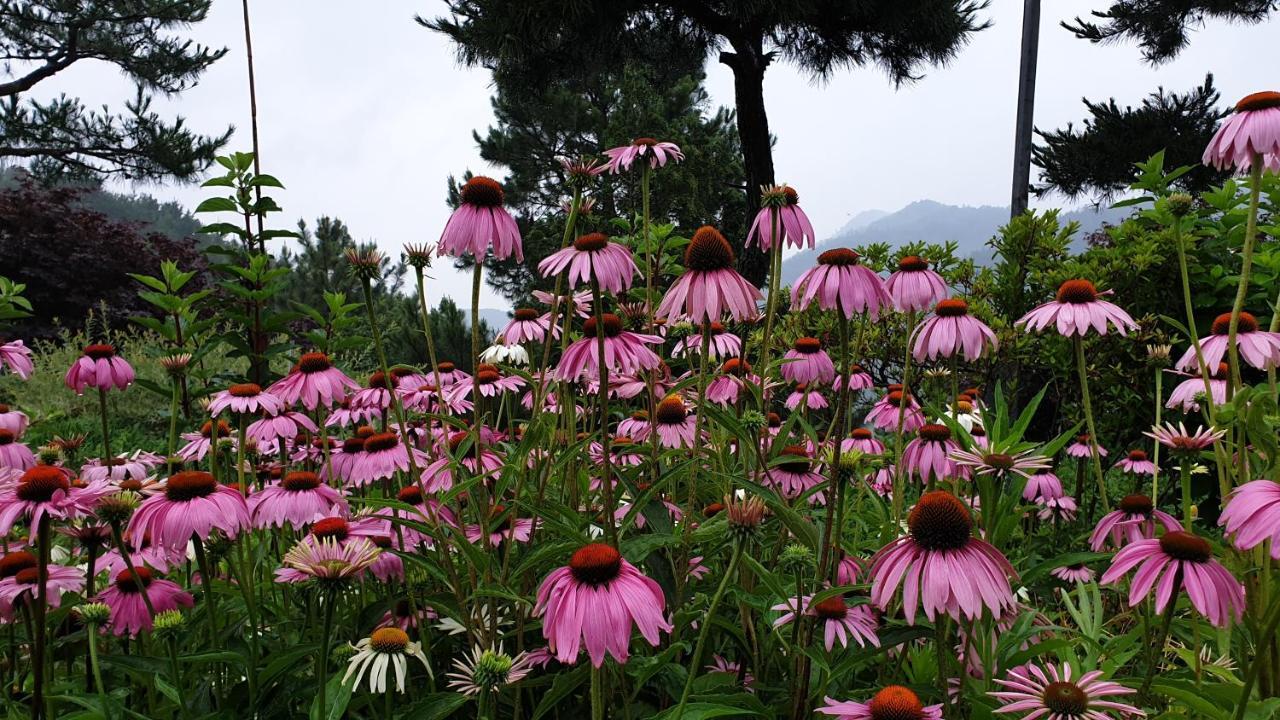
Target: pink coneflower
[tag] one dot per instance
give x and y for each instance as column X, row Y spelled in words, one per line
column 881, row 481
column 377, row 393
column 862, row 440
column 245, row 398
column 1252, row 515
column 297, row 499
column 1256, row 346
column 46, row 491
column 1253, row 129
column 449, row 374
column 625, row 351
column 1187, row 395
column 709, row 287
column 14, row 454
column 1133, row 520
column 1078, row 573
column 137, row 466
column 913, row 286
column 480, row 222
column 313, row 381
column 1179, row 560
column 658, row 152
column 839, row 282
column 884, row 413
column 193, row 503
column 593, row 255
column 129, row 615
column 941, row 565
column 598, row 583
column 488, row 381
column 1075, row 310
column 927, row 456
column 1082, row 448
column 438, row 475
column 17, row 357
column 1042, row 484
column 327, row 560
column 794, row 475
column 1062, row 508
column 978, row 434
column 402, row 615
column 637, row 426
column 25, row 582
column 859, row 379
column 1000, row 464
column 527, row 325
column 673, row 423
column 285, row 426
column 719, row 664
column 839, row 620
column 1182, row 441
column 794, row 223
column 722, row 343
column 15, row 421
column 388, row 566
column 1136, row 462
column 504, row 525
column 12, row 563
column 807, row 362
column 1053, row 695
column 578, row 303
column 848, row 570
column 735, row 375
column 385, row 454
column 893, row 702
column 99, row 368
column 200, row 443
column 952, row 330
column 805, row 395
column 622, row 451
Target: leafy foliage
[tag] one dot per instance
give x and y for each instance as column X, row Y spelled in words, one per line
column 1163, row 28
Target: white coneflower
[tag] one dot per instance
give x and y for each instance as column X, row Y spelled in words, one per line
column 480, row 617
column 487, row 670
column 387, row 647
column 500, row 353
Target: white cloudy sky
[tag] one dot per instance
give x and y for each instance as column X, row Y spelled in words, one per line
column 363, row 113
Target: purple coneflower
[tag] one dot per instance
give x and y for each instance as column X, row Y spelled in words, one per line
column 719, row 664
column 598, row 583
column 1179, row 560
column 952, row 330
column 527, row 325
column 1252, row 515
column 624, row 351
column 1042, row 484
column 1136, row 462
column 1182, row 441
column 438, row 475
column 285, row 426
column 14, row 454
column 1259, row 348
column 100, row 368
column 673, row 423
column 137, row 466
column 859, row 379
column 245, row 398
column 1062, row 508
column 927, row 456
column 488, row 381
column 15, row 421
column 721, row 345
column 893, row 702
column 913, row 286
column 1253, row 129
column 1053, row 695
column 709, row 287
column 46, row 491
column 385, row 454
column 806, row 362
column 200, row 443
column 1001, row 464
column 193, row 503
column 941, row 565
column 313, row 381
column 735, row 375
column 480, row 222
column 1133, row 520
column 25, row 583
column 17, row 357
column 593, row 255
column 806, row 395
column 129, row 614
column 1186, row 396
column 1075, row 310
column 1081, row 448
column 795, row 474
column 884, row 413
column 658, row 152
column 504, row 525
column 862, row 440
column 1077, row 573
column 297, row 499
column 327, row 560
column 839, row 282
column 637, row 426
column 795, row 226
column 839, row 620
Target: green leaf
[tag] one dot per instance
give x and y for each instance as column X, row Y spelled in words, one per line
column 564, row 685
column 265, row 180
column 337, row 695
column 217, row 204
column 436, row 706
column 1194, row 699
column 702, row 711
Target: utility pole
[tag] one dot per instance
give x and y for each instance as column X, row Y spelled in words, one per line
column 1026, row 107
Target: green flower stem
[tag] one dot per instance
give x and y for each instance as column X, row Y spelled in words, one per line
column 606, row 483
column 1246, row 266
column 106, row 428
column 173, row 421
column 176, row 675
column 898, row 480
column 1083, row 369
column 38, row 709
column 695, row 661
column 597, row 695
column 775, row 271
column 833, row 482
column 329, row 598
column 1251, row 676
column 117, row 537
column 1155, row 476
column 1185, row 473
column 1158, row 648
column 96, row 668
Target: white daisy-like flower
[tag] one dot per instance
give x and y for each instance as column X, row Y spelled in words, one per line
column 386, row 648
column 499, row 353
column 487, row 670
column 479, row 618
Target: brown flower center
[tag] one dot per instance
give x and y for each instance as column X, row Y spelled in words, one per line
column 708, row 250
column 807, row 345
column 353, row 445
column 189, row 485
column 895, row 703
column 940, row 521
column 1259, row 101
column 1185, row 546
column 838, row 257
column 591, row 242
column 245, row 390
column 100, row 351
column 612, row 325
column 381, row 441
column 1077, row 292
column 736, row 366
column 410, row 495
column 1137, row 505
column 526, row 314
column 314, row 362
column 862, row 433
column 207, row 429
column 38, row 484
column 833, row 608
column 999, row 461
column 331, row 528
column 595, row 564
column 671, row 411
column 775, row 420
column 793, row 197
column 1137, row 455
column 799, row 462
column 951, row 307
column 133, row 581
column 446, row 367
column 300, row 480
column 6, row 436
column 16, row 562
column 482, row 191
column 1065, row 699
column 913, row 263
column 389, row 640
column 934, row 433
column 1246, row 324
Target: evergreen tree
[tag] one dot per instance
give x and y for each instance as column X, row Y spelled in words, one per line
column 41, row 38
column 536, row 42
column 1162, row 28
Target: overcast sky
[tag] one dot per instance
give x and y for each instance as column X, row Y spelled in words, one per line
column 363, row 113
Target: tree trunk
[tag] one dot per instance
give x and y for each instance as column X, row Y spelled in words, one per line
column 749, row 62
column 1026, row 107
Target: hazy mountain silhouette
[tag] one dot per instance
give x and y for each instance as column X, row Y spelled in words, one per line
column 970, row 227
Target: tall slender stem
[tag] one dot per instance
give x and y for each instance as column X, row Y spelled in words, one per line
column 1251, row 676
column 1246, row 266
column 92, row 635
column 775, row 262
column 695, row 661
column 1185, row 477
column 597, row 695
column 1083, row 369
column 41, row 611
column 898, row 480
column 606, row 482
column 1158, row 653
column 106, row 427
column 1155, row 476
column 329, row 599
